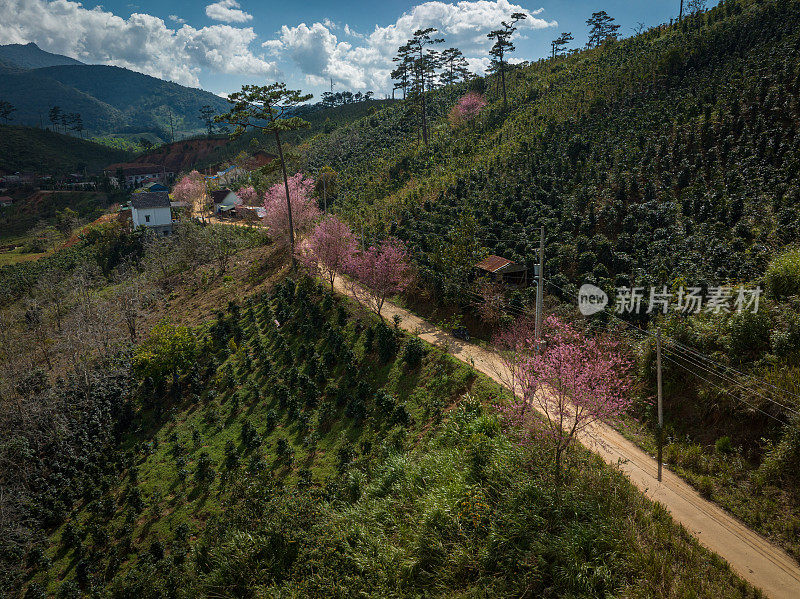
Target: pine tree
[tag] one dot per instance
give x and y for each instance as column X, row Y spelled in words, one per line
column 502, row 46
column 454, row 65
column 558, row 44
column 602, row 27
column 267, row 108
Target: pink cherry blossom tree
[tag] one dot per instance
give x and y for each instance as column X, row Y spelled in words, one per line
column 191, row 190
column 514, row 346
column 248, row 195
column 380, row 272
column 471, row 105
column 467, row 108
column 576, row 381
column 330, row 248
column 304, row 207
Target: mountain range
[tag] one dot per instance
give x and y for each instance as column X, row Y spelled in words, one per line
column 109, row 99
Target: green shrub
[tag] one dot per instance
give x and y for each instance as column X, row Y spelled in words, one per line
column 413, row 352
column 783, row 459
column 723, row 445
column 749, row 335
column 782, row 278
column 706, row 486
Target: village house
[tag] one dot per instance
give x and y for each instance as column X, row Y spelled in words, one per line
column 151, row 209
column 224, row 201
column 6, row 201
column 133, row 174
column 503, row 270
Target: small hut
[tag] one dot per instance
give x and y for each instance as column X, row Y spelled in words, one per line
column 503, row 270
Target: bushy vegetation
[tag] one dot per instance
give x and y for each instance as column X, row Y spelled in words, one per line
column 42, row 208
column 303, row 453
column 782, row 278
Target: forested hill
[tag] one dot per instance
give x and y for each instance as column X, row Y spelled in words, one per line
column 109, row 99
column 671, row 153
column 47, row 152
column 31, row 56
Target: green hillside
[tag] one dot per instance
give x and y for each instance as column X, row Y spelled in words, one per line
column 143, row 101
column 46, row 152
column 33, row 96
column 109, row 99
column 673, row 153
column 669, row 158
column 294, row 446
column 322, row 120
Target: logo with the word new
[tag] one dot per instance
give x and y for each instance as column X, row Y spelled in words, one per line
column 591, row 299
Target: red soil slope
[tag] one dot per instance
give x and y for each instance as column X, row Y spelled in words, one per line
column 182, row 155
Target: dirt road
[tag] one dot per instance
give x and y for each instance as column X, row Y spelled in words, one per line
column 753, row 557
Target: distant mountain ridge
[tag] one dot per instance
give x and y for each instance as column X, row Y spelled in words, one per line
column 31, row 56
column 109, row 99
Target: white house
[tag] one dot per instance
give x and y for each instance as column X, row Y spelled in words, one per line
column 151, row 209
column 224, row 200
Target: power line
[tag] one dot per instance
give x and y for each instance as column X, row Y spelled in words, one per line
column 733, row 382
column 725, row 391
column 750, row 376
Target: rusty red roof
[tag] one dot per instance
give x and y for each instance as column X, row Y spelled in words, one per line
column 493, row 263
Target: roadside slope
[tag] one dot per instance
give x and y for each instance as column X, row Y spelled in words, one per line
column 753, row 557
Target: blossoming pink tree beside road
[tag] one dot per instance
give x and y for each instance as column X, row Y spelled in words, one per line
column 381, row 271
column 329, row 248
column 576, row 380
column 304, row 207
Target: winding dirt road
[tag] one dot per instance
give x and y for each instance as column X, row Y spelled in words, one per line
column 752, row 556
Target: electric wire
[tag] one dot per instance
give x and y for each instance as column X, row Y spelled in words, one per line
column 709, row 360
column 725, row 391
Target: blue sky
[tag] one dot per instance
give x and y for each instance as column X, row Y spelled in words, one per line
column 221, row 44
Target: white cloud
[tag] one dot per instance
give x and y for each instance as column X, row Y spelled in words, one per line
column 227, row 11
column 141, row 42
column 352, row 32
column 177, row 19
column 320, row 55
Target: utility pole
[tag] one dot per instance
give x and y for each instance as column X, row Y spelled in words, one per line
column 680, row 14
column 660, row 401
column 539, row 293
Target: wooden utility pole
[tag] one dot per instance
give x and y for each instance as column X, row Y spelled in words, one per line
column 660, row 402
column 539, row 293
